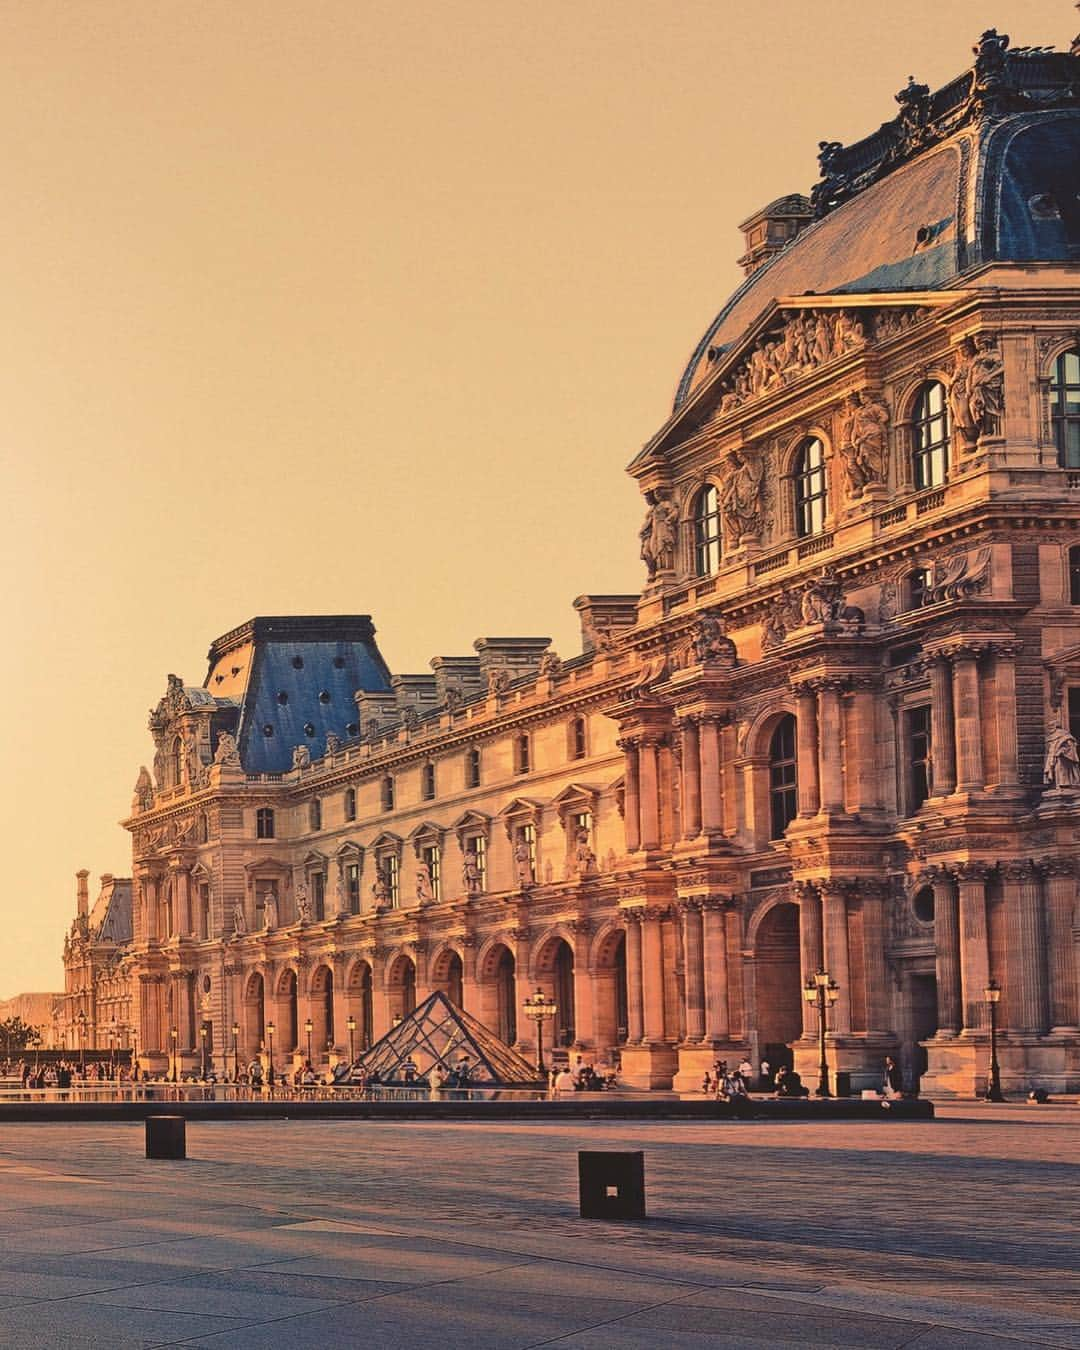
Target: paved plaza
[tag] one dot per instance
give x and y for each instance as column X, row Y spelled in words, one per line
column 956, row 1233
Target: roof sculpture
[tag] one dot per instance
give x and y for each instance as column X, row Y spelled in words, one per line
column 983, row 170
column 438, row 1032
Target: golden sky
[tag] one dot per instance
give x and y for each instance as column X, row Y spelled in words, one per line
column 328, row 307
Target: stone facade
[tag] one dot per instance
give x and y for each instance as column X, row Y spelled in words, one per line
column 835, row 731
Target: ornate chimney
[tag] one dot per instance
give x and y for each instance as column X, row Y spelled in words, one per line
column 82, row 892
column 772, row 228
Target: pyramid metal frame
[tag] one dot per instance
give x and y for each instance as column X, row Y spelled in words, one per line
column 438, row 1032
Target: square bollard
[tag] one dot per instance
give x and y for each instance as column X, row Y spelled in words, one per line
column 166, row 1137
column 611, row 1185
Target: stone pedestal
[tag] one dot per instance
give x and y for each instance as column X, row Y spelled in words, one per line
column 960, row 1066
column 694, row 1061
column 648, row 1066
column 860, row 1055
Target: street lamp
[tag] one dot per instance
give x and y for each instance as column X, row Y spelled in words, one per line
column 112, row 1053
column 82, row 1043
column 822, row 992
column 236, row 1051
column 134, row 1053
column 351, row 1024
column 270, row 1054
column 202, row 1045
column 309, row 1027
column 993, row 997
column 538, row 1007
column 174, row 1036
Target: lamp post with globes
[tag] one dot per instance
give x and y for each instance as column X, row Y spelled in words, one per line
column 236, row 1051
column 993, row 1089
column 309, row 1027
column 81, row 1019
column 351, row 1024
column 270, row 1054
column 539, row 1008
column 821, row 993
column 174, row 1036
column 202, row 1051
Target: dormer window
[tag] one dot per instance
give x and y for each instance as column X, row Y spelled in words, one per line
column 811, row 492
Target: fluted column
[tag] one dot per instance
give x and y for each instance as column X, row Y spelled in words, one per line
column 1060, row 904
column 1025, row 955
column 806, row 752
column 691, row 778
column 946, row 952
column 1008, row 775
column 151, row 901
column 649, row 785
column 837, row 962
column 875, row 974
column 974, row 943
column 943, row 762
column 969, row 757
column 652, row 975
column 714, row 929
column 829, row 749
column 811, row 954
column 712, row 799
column 632, row 796
column 635, row 1024
column 694, row 956
column 862, row 758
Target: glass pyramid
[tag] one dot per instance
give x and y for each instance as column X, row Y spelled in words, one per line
column 437, row 1032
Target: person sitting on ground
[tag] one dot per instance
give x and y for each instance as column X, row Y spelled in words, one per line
column 789, row 1083
column 308, row 1077
column 564, row 1081
column 734, row 1085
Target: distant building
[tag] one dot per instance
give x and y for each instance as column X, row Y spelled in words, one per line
column 34, row 1010
column 835, row 732
column 97, row 1006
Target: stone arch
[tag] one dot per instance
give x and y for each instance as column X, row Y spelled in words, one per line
column 497, row 988
column 286, row 992
column 781, row 896
column 778, row 996
column 321, row 1003
column 553, row 961
column 758, row 735
column 400, row 984
column 254, row 1005
column 359, row 997
column 446, row 972
column 607, row 970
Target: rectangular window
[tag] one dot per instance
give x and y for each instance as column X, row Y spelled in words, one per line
column 1074, row 712
column 388, row 794
column 477, row 850
column 918, row 742
column 318, row 895
column 578, row 746
column 472, row 768
column 204, row 908
column 393, row 880
column 315, row 814
column 427, row 786
column 528, row 835
column 521, row 754
column 352, row 887
column 264, row 823
column 432, row 856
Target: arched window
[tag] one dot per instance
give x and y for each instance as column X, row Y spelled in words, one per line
column 387, row 793
column 706, row 532
column 350, row 803
column 808, row 476
column 783, row 792
column 427, row 789
column 929, row 436
column 264, row 823
column 1065, row 408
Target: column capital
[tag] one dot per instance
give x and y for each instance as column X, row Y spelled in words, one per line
column 1058, row 867
column 689, row 905
column 714, row 903
column 628, row 743
column 971, row 871
column 804, row 890
column 1019, row 870
column 656, row 912
column 1007, row 649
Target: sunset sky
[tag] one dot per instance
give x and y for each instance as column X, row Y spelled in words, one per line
column 327, row 307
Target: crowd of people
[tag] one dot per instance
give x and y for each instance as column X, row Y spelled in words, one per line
column 580, row 1076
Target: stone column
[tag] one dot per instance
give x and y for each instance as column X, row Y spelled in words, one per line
column 837, row 962
column 1025, row 955
column 1060, row 903
column 652, row 975
column 712, row 798
column 943, row 762
column 715, row 955
column 811, row 956
column 969, row 760
column 862, row 760
column 875, row 975
column 635, row 1025
column 148, row 1031
column 1008, row 775
column 974, row 943
column 946, row 952
column 829, row 748
column 182, row 891
column 341, row 1003
column 584, row 1020
column 650, row 793
column 691, row 778
column 151, row 901
column 694, row 950
column 806, row 750
column 632, row 798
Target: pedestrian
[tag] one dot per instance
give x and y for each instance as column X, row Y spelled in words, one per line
column 746, row 1070
column 766, row 1079
column 893, row 1082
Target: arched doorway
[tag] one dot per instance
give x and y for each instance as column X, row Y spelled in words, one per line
column 563, row 969
column 608, row 970
column 288, row 1030
column 447, row 974
column 401, row 988
column 360, row 1004
column 506, row 996
column 778, row 984
column 254, row 1015
column 322, row 1012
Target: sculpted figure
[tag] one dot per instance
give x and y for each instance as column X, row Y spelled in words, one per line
column 1062, row 764
column 523, row 863
column 470, row 875
column 301, row 757
column 550, row 664
column 303, row 904
column 227, row 751
column 584, row 857
column 380, row 889
column 740, row 498
column 862, row 439
column 425, row 893
column 658, row 532
column 270, row 915
column 822, row 340
column 985, row 385
column 239, row 922
column 497, row 680
column 144, row 791
column 847, row 333
column 333, row 743
column 960, row 390
column 711, row 643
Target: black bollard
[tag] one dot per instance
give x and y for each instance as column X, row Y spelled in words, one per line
column 611, row 1185
column 165, row 1137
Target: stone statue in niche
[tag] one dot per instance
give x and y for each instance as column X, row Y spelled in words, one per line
column 584, row 857
column 425, row 892
column 301, row 757
column 270, row 914
column 144, row 791
column 1061, row 766
column 986, row 385
column 303, row 904
column 710, row 641
column 380, row 888
column 193, row 761
column 470, row 875
column 227, row 751
column 862, row 437
column 523, row 863
column 960, row 391
column 741, row 496
column 658, row 533
column 238, row 920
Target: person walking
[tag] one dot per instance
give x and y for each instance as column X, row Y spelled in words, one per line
column 893, row 1081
